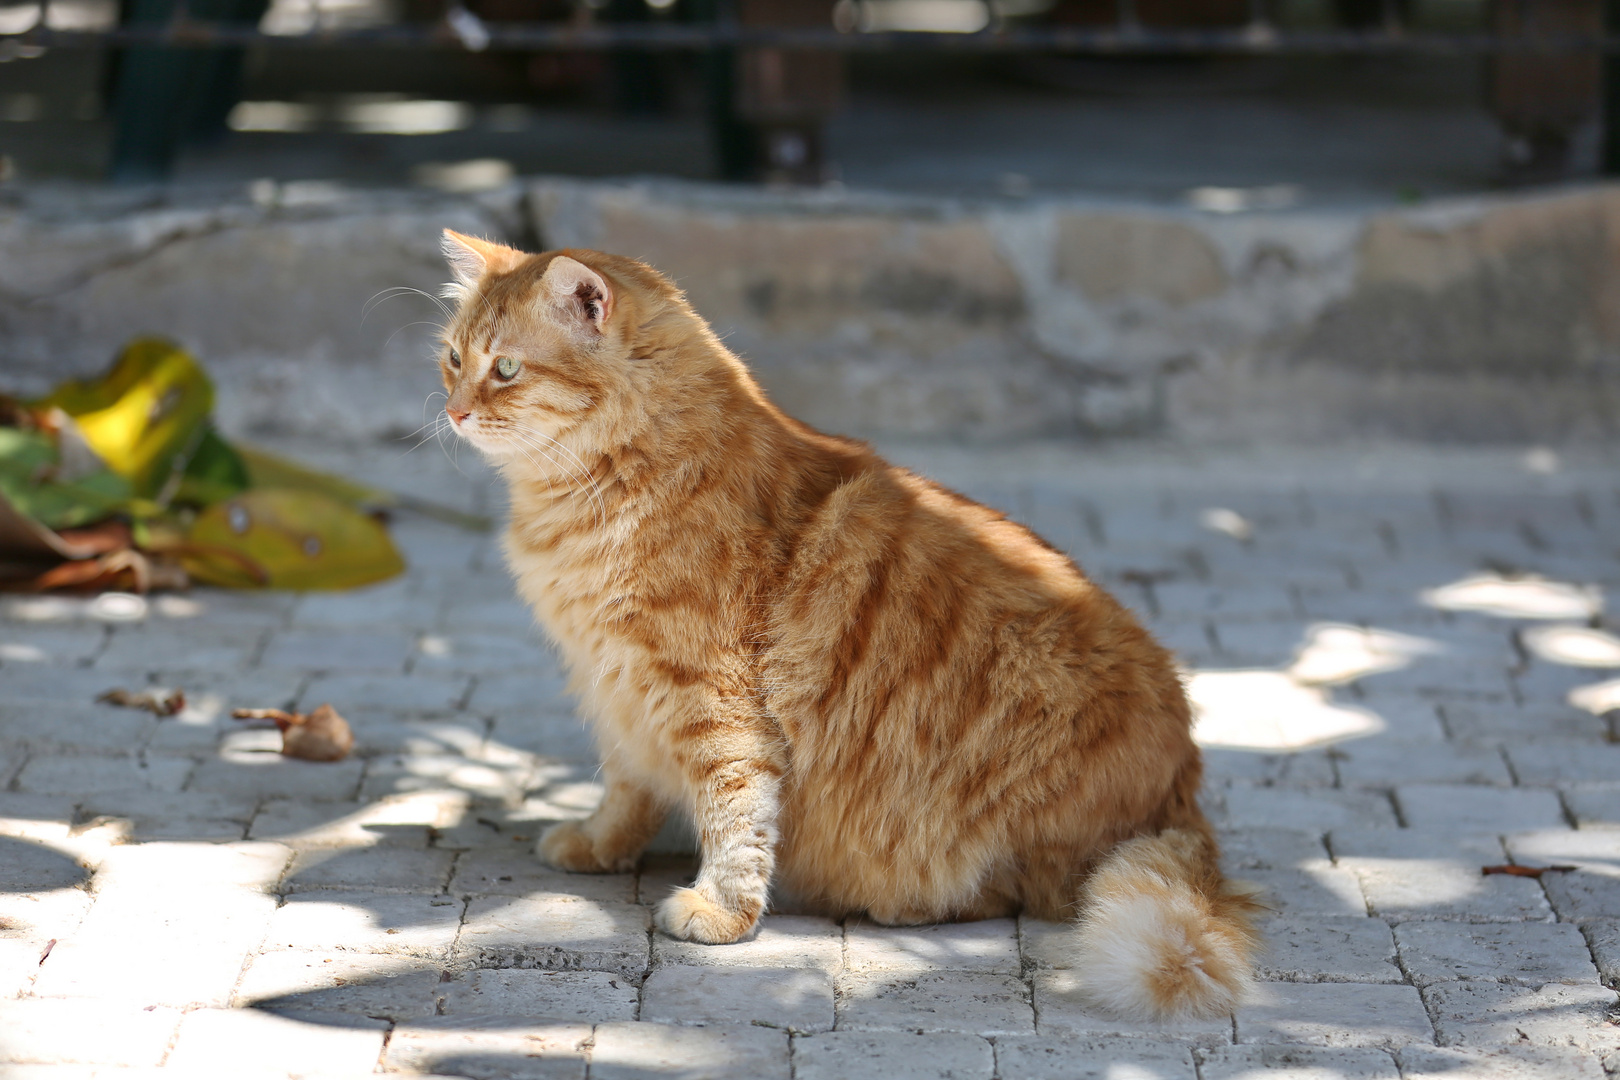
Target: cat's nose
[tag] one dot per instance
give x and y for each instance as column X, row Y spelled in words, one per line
column 456, row 416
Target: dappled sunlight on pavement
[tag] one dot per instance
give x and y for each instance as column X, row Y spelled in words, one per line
column 1395, row 688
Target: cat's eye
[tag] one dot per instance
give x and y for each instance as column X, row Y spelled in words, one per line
column 505, row 367
column 455, row 359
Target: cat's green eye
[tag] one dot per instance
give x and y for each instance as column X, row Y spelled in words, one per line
column 505, row 367
column 455, row 359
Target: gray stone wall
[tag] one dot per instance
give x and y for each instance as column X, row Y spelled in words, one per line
column 1491, row 319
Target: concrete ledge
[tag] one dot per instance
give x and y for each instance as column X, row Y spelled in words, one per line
column 1491, row 319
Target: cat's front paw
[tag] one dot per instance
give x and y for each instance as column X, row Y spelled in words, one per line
column 567, row 846
column 691, row 915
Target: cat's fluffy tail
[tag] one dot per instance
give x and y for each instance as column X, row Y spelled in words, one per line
column 1161, row 933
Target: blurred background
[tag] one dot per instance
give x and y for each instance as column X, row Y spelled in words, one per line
column 1303, row 99
column 1228, row 220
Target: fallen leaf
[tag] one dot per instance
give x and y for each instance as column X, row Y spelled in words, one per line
column 319, row 735
column 166, row 705
column 1513, row 870
column 49, row 945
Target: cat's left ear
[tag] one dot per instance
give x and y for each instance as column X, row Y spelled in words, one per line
column 471, row 258
column 579, row 292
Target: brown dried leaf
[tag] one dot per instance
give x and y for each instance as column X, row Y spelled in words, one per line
column 166, row 705
column 320, row 735
column 1514, row 870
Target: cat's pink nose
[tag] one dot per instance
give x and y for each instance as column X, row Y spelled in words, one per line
column 455, row 416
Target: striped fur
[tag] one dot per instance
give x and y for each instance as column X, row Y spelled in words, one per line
column 868, row 691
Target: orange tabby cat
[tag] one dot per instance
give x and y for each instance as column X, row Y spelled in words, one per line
column 869, row 692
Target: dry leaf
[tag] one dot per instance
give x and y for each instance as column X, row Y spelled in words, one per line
column 1513, row 870
column 320, row 735
column 167, row 705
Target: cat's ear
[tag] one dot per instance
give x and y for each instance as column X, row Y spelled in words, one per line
column 583, row 295
column 471, row 258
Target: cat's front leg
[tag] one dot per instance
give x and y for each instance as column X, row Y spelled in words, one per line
column 734, row 768
column 612, row 838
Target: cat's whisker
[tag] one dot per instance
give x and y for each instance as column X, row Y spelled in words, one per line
column 382, row 296
column 407, row 326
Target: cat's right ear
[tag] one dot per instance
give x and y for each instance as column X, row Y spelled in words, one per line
column 470, row 259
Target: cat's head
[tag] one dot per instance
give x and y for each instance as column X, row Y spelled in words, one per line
column 546, row 346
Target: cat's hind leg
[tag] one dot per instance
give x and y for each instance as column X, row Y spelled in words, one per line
column 612, row 838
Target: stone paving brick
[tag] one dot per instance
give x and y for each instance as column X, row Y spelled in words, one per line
column 1593, row 806
column 555, row 933
column 496, row 782
column 1318, row 949
column 397, row 604
column 483, row 1049
column 397, row 821
column 51, row 646
column 63, row 1031
column 1413, row 874
column 388, row 987
column 422, row 694
column 405, row 925
column 1549, row 762
column 537, row 691
column 894, row 1055
column 184, row 950
column 661, row 1052
column 1451, row 678
column 156, row 815
column 59, row 774
column 1061, row 1010
column 1296, row 1063
column 1497, row 1014
column 934, row 1001
column 1405, row 718
column 181, row 648
column 1311, row 769
column 1103, row 1058
column 1289, row 809
column 1046, row 944
column 190, row 869
column 213, row 1041
column 511, row 615
column 1334, row 1014
column 76, row 728
column 990, row 945
column 1270, row 849
column 480, row 653
column 381, row 731
column 269, row 775
column 588, row 997
column 26, row 864
column 1480, row 809
column 1498, row 1063
column 1385, row 763
column 1591, row 891
column 1499, row 722
column 560, row 735
column 1529, row 954
column 382, row 869
column 504, row 872
column 1317, row 888
column 1603, row 937
column 345, row 650
column 40, row 916
column 782, row 941
column 797, row 999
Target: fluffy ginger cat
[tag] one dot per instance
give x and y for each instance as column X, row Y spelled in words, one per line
column 871, row 694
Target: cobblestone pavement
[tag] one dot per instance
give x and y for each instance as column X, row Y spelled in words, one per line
column 1399, row 661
